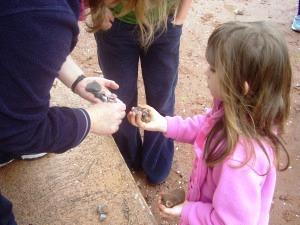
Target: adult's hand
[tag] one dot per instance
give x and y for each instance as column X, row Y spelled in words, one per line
column 106, row 117
column 104, row 83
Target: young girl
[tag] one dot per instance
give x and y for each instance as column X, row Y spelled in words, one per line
column 148, row 32
column 236, row 142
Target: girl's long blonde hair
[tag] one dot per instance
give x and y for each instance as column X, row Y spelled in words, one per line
column 151, row 15
column 255, row 53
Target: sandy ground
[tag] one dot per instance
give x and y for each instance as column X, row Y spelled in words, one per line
column 193, row 96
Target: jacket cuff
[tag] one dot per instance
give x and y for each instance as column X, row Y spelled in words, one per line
column 171, row 128
column 84, row 124
column 184, row 217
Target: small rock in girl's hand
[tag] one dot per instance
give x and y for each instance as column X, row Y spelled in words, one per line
column 146, row 118
column 173, row 198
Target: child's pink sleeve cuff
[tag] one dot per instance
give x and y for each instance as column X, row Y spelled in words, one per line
column 197, row 213
column 171, row 127
column 185, row 212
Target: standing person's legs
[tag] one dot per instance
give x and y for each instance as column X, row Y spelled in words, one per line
column 160, row 74
column 6, row 213
column 118, row 55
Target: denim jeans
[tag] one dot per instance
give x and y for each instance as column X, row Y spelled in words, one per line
column 119, row 53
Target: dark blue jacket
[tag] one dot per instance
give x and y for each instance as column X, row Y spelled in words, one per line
column 36, row 36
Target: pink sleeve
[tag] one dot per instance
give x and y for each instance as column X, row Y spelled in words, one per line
column 184, row 130
column 236, row 200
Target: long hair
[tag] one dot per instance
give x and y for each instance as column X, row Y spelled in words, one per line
column 255, row 53
column 151, row 15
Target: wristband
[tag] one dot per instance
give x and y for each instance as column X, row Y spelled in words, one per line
column 79, row 78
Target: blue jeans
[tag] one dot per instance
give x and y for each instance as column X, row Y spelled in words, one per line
column 6, row 214
column 119, row 53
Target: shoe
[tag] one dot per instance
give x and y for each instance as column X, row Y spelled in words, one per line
column 33, row 156
column 6, row 160
column 296, row 24
column 4, row 163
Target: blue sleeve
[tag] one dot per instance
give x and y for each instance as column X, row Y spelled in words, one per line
column 62, row 129
column 35, row 39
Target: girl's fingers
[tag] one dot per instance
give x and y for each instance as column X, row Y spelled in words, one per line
column 135, row 119
column 168, row 211
column 162, row 207
column 152, row 111
column 165, row 214
column 131, row 118
column 112, row 18
column 139, row 121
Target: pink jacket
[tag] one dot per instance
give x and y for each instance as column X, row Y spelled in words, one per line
column 224, row 195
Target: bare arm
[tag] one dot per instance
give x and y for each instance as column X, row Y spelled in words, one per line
column 105, row 117
column 182, row 11
column 69, row 72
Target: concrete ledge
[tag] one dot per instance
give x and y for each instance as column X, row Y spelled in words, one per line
column 66, row 189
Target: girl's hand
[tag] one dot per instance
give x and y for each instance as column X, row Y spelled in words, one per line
column 108, row 19
column 157, row 123
column 104, row 83
column 174, row 211
column 182, row 11
column 177, row 22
